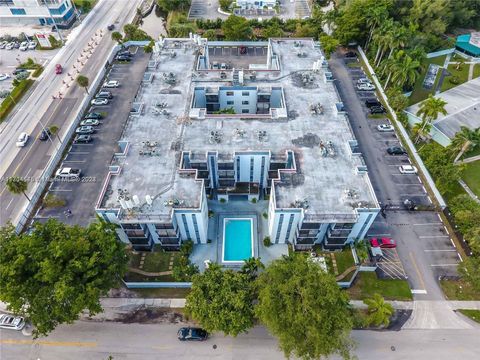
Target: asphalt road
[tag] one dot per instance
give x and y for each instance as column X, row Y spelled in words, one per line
column 29, row 161
column 90, row 340
column 424, row 246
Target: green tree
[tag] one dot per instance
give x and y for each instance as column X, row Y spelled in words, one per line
column 17, row 185
column 225, row 4
column 56, row 272
column 210, row 34
column 149, row 48
column 432, row 15
column 132, row 32
column 465, row 140
column 329, row 44
column 429, row 110
column 251, row 267
column 303, row 306
column 116, row 36
column 273, row 31
column 473, row 239
column 379, row 311
column 406, row 71
column 171, row 5
column 54, row 130
column 222, row 300
column 469, row 269
column 397, row 100
column 237, row 28
column 83, row 81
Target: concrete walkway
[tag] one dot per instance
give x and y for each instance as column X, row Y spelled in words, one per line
column 470, row 71
column 468, row 190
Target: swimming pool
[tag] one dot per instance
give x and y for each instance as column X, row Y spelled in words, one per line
column 237, row 239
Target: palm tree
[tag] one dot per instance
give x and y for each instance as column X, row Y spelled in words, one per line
column 421, row 129
column 399, row 37
column 251, row 267
column 116, row 36
column 82, row 81
column 465, row 140
column 16, row 185
column 375, row 16
column 379, row 312
column 54, row 131
column 406, row 72
column 429, row 111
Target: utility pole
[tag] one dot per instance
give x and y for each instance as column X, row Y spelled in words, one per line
column 54, row 23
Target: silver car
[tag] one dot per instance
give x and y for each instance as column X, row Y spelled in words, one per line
column 11, row 322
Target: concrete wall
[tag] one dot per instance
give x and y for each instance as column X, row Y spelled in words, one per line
column 236, row 100
column 282, row 220
column 244, row 171
column 34, row 11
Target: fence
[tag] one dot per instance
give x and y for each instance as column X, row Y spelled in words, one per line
column 404, row 133
column 157, row 285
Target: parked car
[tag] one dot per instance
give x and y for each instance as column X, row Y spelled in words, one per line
column 44, row 135
column 24, row 46
column 111, row 27
column 99, row 101
column 4, row 77
column 18, row 71
column 93, row 115
column 82, row 139
column 32, row 45
column 350, row 54
column 89, row 122
column 11, row 322
column 10, row 46
column 124, row 58
column 372, row 102
column 364, row 81
column 396, row 150
column 111, row 84
column 124, row 52
column 104, row 95
column 67, row 173
column 407, row 169
column 377, row 110
column 16, row 45
column 22, row 139
column 365, row 87
column 383, row 243
column 385, row 127
column 3, row 44
column 192, row 334
column 58, row 69
column 85, row 130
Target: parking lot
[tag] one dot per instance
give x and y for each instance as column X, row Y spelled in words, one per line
column 424, row 247
column 204, row 9
column 93, row 158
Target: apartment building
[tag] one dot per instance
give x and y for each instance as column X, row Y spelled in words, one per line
column 42, row 12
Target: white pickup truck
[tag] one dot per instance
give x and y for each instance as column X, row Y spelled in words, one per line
column 67, row 173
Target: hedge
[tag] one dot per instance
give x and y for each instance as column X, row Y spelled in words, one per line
column 18, row 91
column 38, row 72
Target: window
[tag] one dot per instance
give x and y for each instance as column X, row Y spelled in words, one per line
column 18, row 11
column 245, row 111
column 195, row 225
column 230, row 102
column 289, row 228
column 246, row 102
column 245, row 93
column 58, row 11
column 185, row 225
column 251, row 168
column 238, row 168
column 279, row 228
column 229, row 93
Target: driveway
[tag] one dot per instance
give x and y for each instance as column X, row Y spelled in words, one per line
column 424, row 245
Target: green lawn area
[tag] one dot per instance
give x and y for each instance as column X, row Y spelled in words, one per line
column 366, row 284
column 419, row 93
column 472, row 314
column 476, row 71
column 134, row 277
column 177, row 293
column 458, row 290
column 158, row 261
column 471, row 175
column 461, row 74
column 344, row 260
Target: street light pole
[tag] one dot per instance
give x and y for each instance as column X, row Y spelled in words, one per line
column 54, row 22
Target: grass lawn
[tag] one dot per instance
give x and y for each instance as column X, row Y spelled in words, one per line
column 158, row 261
column 458, row 290
column 134, row 277
column 344, row 260
column 177, row 293
column 472, row 314
column 419, row 93
column 366, row 284
column 476, row 71
column 471, row 175
column 471, row 153
column 461, row 74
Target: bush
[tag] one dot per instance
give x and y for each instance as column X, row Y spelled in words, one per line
column 4, row 94
column 8, row 103
column 51, row 201
column 186, row 248
column 266, row 241
column 454, row 80
column 38, row 72
column 22, row 76
column 265, row 215
column 254, row 200
column 222, row 200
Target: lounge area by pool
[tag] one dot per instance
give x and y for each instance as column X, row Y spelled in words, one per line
column 237, row 240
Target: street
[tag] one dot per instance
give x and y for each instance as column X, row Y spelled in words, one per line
column 90, row 340
column 39, row 106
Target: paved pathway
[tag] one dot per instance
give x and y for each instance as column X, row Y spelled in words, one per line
column 470, row 71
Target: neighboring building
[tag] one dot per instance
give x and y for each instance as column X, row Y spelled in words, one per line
column 37, row 12
column 231, row 122
column 469, row 44
column 256, row 4
column 463, row 109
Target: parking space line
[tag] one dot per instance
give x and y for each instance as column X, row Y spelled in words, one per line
column 453, row 243
column 439, row 218
column 417, row 194
column 59, row 190
column 429, row 199
column 10, row 203
column 419, row 180
column 442, row 265
column 440, row 250
column 446, row 230
column 74, row 161
column 460, row 257
column 379, row 234
column 79, row 152
column 425, row 224
column 417, row 291
column 425, row 191
column 432, row 236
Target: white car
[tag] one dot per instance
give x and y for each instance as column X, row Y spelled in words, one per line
column 22, row 139
column 99, row 101
column 111, row 84
column 23, row 46
column 385, row 127
column 32, row 45
column 364, row 81
column 89, row 122
column 4, row 77
column 11, row 322
column 68, row 173
column 365, row 87
column 10, row 46
column 407, row 169
column 3, row 44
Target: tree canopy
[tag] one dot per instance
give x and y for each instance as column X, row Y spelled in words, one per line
column 56, row 272
column 303, row 306
column 237, row 28
column 171, row 5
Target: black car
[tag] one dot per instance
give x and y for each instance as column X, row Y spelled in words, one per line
column 82, row 139
column 377, row 110
column 111, row 27
column 18, row 71
column 372, row 102
column 350, row 54
column 103, row 94
column 44, row 135
column 124, row 53
column 192, row 334
column 93, row 115
column 123, row 58
column 396, row 150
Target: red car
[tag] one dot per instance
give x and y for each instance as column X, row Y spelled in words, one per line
column 58, row 69
column 383, row 243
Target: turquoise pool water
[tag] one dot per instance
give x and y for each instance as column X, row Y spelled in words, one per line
column 237, row 239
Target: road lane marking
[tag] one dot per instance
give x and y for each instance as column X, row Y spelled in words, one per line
column 48, row 343
column 10, row 203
